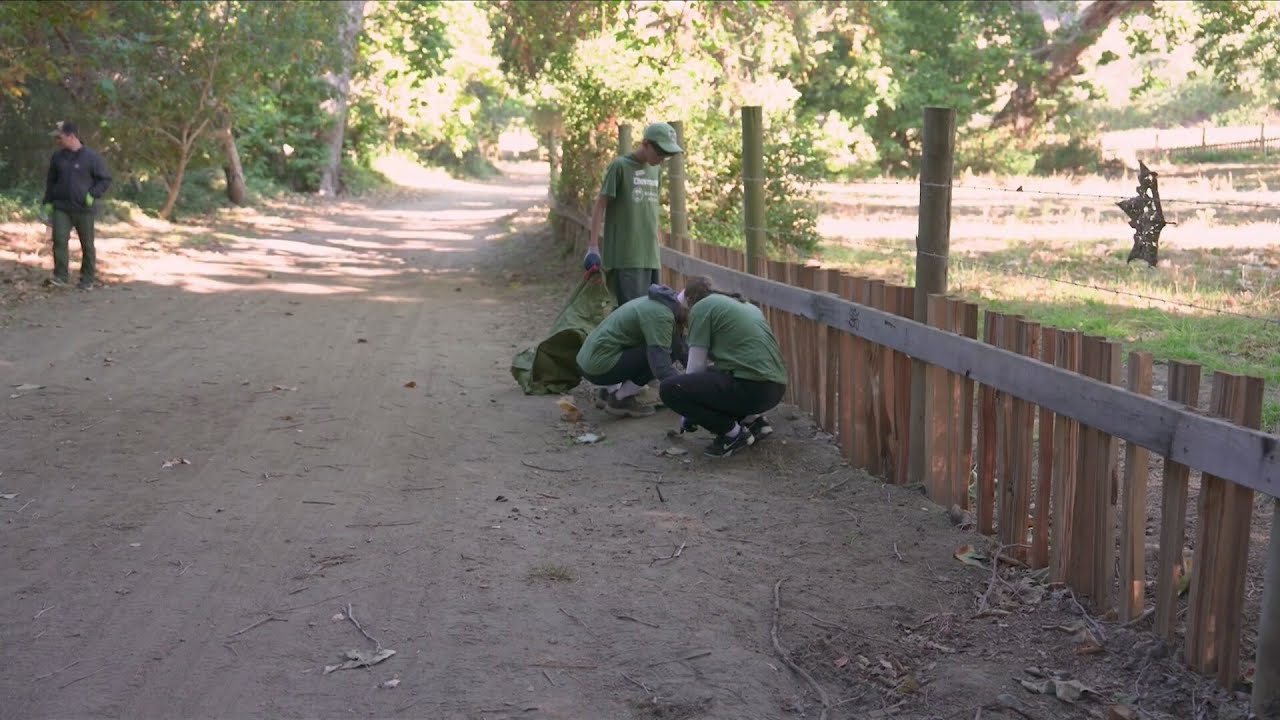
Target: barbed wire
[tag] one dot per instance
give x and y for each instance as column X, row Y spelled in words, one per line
column 1023, row 190
column 960, row 260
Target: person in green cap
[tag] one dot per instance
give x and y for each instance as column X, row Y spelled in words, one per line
column 77, row 177
column 626, row 215
column 735, row 371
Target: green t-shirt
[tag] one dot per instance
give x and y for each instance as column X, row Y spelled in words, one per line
column 737, row 338
column 640, row 322
column 630, row 235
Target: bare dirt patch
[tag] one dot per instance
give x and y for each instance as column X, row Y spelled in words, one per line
column 336, row 379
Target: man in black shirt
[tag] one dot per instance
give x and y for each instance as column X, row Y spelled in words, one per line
column 77, row 177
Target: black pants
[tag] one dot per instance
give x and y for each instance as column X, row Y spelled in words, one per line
column 63, row 222
column 716, row 400
column 633, row 365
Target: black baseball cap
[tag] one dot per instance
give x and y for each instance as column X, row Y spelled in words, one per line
column 64, row 127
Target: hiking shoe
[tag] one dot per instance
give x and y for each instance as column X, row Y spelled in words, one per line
column 85, row 285
column 56, row 282
column 724, row 446
column 760, row 428
column 628, row 407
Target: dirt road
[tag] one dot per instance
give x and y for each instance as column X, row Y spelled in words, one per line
column 309, row 413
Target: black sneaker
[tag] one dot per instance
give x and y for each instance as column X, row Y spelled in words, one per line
column 628, row 407
column 724, row 446
column 56, row 282
column 760, row 428
column 85, row 285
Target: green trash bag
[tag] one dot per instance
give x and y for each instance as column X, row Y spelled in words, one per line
column 551, row 366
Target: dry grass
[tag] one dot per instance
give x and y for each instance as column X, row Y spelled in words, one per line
column 1056, row 253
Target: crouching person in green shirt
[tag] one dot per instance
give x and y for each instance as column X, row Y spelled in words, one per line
column 627, row 207
column 748, row 377
column 633, row 345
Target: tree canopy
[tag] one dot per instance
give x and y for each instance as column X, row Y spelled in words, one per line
column 176, row 93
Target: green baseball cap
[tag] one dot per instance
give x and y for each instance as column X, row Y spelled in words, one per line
column 664, row 136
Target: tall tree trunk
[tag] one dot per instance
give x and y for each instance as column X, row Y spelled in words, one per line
column 175, row 186
column 348, row 32
column 234, row 171
column 1062, row 58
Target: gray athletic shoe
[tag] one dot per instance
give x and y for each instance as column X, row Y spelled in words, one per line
column 628, row 407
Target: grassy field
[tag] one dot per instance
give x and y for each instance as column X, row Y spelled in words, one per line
column 1055, row 253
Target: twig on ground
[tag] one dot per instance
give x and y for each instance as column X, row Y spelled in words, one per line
column 55, row 672
column 637, row 683
column 1145, row 614
column 824, row 491
column 549, row 497
column 352, row 617
column 82, row 677
column 675, row 554
column 295, row 592
column 642, row 468
column 528, row 464
column 420, row 457
column 232, row 648
column 198, row 517
column 263, row 621
column 333, row 597
column 659, row 489
column 43, row 610
column 636, row 620
column 286, row 427
column 895, row 552
column 317, row 502
column 575, row 619
column 1093, row 624
column 389, row 524
column 408, row 549
column 418, row 432
column 421, row 489
column 694, row 656
column 785, row 655
column 547, row 675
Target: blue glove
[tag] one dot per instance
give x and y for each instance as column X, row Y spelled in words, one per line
column 592, row 260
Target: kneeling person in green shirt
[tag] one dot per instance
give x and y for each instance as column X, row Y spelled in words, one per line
column 627, row 206
column 633, row 345
column 748, row 377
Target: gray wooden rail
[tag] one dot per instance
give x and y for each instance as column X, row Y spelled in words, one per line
column 1241, row 455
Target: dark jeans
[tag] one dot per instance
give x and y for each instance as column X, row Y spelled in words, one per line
column 62, row 224
column 716, row 400
column 627, row 284
column 633, row 366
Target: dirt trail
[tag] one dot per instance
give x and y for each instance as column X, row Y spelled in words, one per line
column 341, row 394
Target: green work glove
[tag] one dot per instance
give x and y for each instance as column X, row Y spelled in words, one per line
column 88, row 200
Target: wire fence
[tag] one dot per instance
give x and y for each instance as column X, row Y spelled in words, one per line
column 1023, row 190
column 1000, row 269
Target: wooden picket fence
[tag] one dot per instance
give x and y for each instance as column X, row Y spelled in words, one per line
column 1014, row 451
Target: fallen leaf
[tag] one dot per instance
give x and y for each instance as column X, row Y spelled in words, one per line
column 361, row 340
column 389, row 684
column 24, row 387
column 969, row 556
column 1069, row 690
column 841, row 662
column 338, row 617
column 588, row 439
column 908, row 685
column 500, row 498
column 569, row 412
column 135, row 544
column 411, row 384
column 1039, row 687
column 8, row 496
column 359, row 659
column 175, row 461
column 675, row 451
column 282, row 387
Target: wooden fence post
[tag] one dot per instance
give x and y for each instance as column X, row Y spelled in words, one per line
column 933, row 243
column 1184, row 387
column 1266, row 674
column 1066, row 438
column 1044, row 470
column 753, row 184
column 1215, row 616
column 988, row 446
column 1133, row 523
